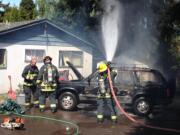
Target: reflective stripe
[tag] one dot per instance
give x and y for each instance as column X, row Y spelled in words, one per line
column 99, row 116
column 27, row 104
column 50, row 78
column 107, row 95
column 48, row 87
column 113, row 117
column 47, row 90
column 36, row 102
column 31, row 76
column 54, row 84
column 42, row 106
column 53, row 105
column 27, row 84
column 99, row 96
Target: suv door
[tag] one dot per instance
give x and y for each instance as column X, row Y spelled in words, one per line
column 124, row 83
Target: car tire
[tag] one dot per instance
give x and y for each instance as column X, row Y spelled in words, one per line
column 142, row 106
column 67, row 101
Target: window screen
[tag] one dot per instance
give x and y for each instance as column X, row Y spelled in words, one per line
column 39, row 54
column 75, row 57
column 3, row 58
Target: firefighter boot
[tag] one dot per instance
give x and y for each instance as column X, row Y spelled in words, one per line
column 114, row 119
column 27, row 107
column 100, row 119
column 41, row 108
column 53, row 107
column 36, row 104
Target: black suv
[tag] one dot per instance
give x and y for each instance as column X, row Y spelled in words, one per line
column 139, row 88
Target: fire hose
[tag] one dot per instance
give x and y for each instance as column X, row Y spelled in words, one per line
column 51, row 119
column 131, row 118
column 10, row 107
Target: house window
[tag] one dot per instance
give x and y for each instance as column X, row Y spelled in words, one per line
column 75, row 57
column 39, row 54
column 3, row 58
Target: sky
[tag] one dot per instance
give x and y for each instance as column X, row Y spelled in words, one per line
column 12, row 2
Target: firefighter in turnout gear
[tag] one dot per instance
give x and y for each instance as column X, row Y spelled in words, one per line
column 48, row 82
column 104, row 93
column 30, row 74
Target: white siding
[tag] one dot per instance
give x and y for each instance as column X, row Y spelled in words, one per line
column 16, row 62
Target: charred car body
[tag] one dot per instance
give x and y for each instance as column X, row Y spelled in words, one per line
column 139, row 88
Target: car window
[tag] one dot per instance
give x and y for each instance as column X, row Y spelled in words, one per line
column 147, row 76
column 124, row 78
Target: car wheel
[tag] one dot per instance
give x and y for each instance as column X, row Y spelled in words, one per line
column 68, row 101
column 142, row 106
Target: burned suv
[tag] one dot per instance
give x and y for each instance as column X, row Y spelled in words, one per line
column 139, row 88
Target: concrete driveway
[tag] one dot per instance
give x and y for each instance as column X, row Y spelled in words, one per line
column 85, row 118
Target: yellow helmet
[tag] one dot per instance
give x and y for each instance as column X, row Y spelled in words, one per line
column 101, row 67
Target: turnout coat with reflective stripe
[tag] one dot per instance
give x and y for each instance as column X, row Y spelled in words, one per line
column 43, row 78
column 30, row 74
column 107, row 94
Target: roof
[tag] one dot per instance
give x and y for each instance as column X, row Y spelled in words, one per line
column 8, row 28
column 9, row 25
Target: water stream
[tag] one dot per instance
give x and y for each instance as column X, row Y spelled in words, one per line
column 111, row 25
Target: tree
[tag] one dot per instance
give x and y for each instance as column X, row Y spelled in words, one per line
column 27, row 8
column 12, row 14
column 41, row 8
column 3, row 9
column 170, row 32
column 79, row 16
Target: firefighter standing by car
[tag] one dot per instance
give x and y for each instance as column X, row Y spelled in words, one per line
column 48, row 81
column 30, row 74
column 104, row 93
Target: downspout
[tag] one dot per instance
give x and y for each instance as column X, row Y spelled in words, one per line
column 46, row 36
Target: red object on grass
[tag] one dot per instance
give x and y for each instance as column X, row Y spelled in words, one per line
column 11, row 92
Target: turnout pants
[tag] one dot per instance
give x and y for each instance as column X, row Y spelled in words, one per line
column 44, row 95
column 102, row 103
column 29, row 92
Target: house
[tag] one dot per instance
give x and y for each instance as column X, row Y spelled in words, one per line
column 39, row 38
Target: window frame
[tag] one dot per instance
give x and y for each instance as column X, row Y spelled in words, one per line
column 121, row 74
column 27, row 61
column 157, row 78
column 63, row 51
column 6, row 57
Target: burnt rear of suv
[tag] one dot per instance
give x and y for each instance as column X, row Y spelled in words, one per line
column 142, row 88
column 154, row 85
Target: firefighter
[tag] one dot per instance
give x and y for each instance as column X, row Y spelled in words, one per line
column 30, row 74
column 48, row 81
column 104, row 93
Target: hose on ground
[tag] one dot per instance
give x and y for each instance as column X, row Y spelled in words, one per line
column 50, row 119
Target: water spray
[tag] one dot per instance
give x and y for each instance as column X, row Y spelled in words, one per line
column 111, row 25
